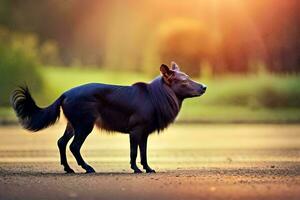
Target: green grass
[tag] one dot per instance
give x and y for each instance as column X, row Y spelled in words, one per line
column 62, row 79
column 229, row 113
column 251, row 98
column 255, row 91
column 256, row 98
column 6, row 113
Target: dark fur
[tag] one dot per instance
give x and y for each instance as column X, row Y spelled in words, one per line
column 164, row 102
column 139, row 110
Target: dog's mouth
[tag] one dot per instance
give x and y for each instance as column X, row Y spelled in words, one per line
column 198, row 94
column 201, row 92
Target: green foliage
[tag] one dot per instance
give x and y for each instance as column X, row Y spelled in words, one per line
column 60, row 79
column 18, row 65
column 255, row 90
column 229, row 98
column 252, row 98
column 262, row 90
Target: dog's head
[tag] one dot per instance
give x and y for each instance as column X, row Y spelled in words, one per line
column 180, row 82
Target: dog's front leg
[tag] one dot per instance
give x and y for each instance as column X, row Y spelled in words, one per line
column 143, row 153
column 134, row 141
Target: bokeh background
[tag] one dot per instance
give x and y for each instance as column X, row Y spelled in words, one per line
column 246, row 51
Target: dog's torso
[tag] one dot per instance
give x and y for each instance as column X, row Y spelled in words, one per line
column 113, row 107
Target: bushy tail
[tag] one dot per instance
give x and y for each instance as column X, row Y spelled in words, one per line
column 31, row 116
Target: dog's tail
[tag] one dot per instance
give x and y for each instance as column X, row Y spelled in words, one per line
column 31, row 116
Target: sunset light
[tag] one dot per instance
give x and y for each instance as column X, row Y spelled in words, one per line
column 150, row 99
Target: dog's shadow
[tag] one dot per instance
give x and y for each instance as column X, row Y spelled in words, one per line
column 62, row 174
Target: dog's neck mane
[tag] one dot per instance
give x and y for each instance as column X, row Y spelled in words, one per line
column 165, row 103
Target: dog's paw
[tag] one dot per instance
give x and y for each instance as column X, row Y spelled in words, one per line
column 137, row 171
column 150, row 170
column 89, row 169
column 69, row 171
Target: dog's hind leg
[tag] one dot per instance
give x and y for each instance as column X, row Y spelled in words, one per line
column 62, row 144
column 79, row 138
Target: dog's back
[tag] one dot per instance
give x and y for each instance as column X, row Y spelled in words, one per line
column 111, row 107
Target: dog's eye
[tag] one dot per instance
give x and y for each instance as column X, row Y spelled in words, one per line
column 184, row 83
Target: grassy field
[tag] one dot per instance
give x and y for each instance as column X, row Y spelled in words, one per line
column 251, row 98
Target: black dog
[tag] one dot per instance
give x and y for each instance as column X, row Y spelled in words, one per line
column 138, row 110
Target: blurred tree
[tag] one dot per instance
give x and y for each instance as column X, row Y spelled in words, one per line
column 49, row 53
column 18, row 64
column 188, row 42
column 116, row 33
column 5, row 12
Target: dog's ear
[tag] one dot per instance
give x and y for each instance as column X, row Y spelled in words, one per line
column 174, row 66
column 166, row 72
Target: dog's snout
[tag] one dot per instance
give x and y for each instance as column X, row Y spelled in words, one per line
column 203, row 88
